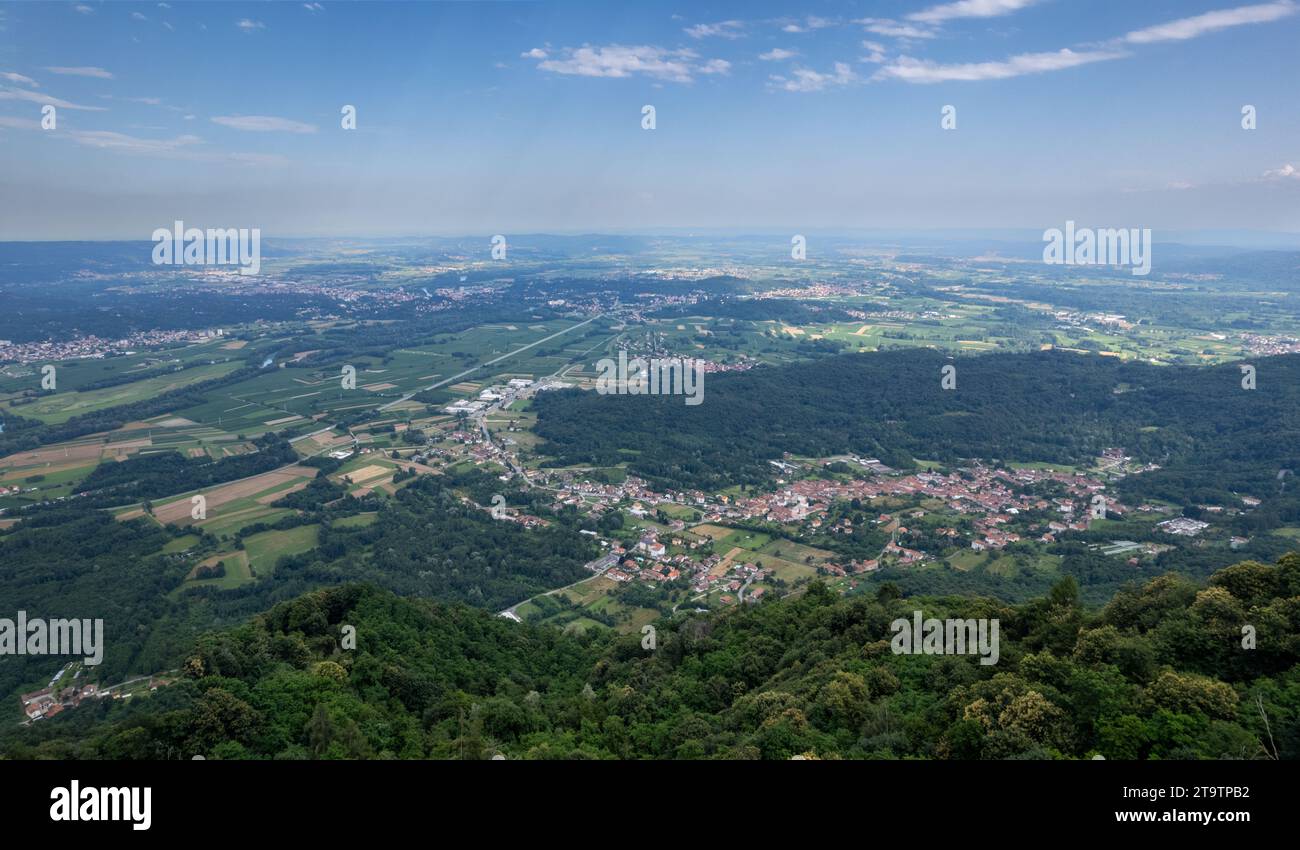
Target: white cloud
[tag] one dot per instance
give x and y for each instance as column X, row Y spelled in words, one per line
column 812, row 22
column 894, row 29
column 722, row 29
column 619, row 61
column 313, row 7
column 535, row 53
column 1286, row 172
column 911, row 70
column 969, row 9
column 877, row 54
column 777, row 54
column 808, row 80
column 248, row 26
column 263, row 124
column 19, row 79
column 37, row 97
column 82, row 71
column 138, row 16
column 1186, row 28
column 84, row 9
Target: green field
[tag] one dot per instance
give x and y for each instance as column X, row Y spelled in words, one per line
column 266, row 548
column 61, row 405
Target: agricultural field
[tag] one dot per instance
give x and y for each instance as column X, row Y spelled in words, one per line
column 237, row 573
column 231, row 506
column 60, row 405
column 266, row 548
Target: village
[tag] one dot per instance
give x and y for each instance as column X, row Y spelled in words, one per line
column 67, row 690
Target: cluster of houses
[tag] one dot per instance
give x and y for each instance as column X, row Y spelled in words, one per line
column 52, row 700
column 648, row 561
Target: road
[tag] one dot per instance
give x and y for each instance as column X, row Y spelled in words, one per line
column 510, row 612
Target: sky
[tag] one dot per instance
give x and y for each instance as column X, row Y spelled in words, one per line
column 527, row 117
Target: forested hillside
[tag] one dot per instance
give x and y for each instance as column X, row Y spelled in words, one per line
column 69, row 561
column 1210, row 435
column 1159, row 672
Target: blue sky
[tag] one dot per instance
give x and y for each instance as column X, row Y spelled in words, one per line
column 526, row 116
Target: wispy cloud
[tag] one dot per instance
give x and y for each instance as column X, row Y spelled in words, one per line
column 877, row 52
column 722, row 29
column 248, row 25
column 809, row 24
column 778, row 54
column 313, row 7
column 19, row 79
column 808, row 80
column 619, row 61
column 969, row 9
column 10, row 93
column 138, row 16
column 894, row 29
column 263, row 124
column 19, row 123
column 912, row 70
column 187, row 146
column 84, row 9
column 1185, row 28
column 107, row 139
column 80, row 71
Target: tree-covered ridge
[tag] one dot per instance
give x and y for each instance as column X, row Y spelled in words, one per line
column 428, row 541
column 76, row 563
column 1197, row 422
column 69, row 560
column 1160, row 672
column 164, row 473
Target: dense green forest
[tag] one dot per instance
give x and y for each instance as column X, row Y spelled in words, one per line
column 1211, row 436
column 65, row 560
column 428, row 542
column 1161, row 672
column 70, row 562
